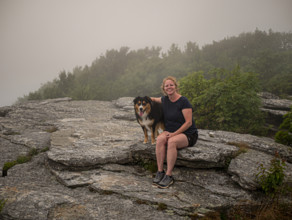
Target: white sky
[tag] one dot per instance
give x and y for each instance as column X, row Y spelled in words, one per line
column 41, row 38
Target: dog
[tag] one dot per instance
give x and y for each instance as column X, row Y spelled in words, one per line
column 149, row 115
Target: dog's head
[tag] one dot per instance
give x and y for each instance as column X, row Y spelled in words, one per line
column 142, row 105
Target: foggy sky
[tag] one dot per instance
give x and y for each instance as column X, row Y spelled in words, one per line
column 41, row 38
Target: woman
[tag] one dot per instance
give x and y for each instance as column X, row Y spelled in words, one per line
column 180, row 130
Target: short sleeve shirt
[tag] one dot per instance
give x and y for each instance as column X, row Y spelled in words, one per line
column 173, row 116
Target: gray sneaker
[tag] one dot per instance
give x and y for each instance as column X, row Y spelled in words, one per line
column 166, row 182
column 159, row 176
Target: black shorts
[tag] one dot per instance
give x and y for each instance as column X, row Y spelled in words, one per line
column 192, row 139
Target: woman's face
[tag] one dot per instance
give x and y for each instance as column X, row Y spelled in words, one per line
column 169, row 87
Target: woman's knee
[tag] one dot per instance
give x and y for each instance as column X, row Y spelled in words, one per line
column 161, row 139
column 171, row 143
column 178, row 141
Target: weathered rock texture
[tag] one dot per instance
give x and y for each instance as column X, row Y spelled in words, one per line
column 93, row 168
column 275, row 108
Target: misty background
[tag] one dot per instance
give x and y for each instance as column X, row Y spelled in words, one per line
column 41, row 38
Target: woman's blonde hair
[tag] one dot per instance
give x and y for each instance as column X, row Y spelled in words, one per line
column 173, row 79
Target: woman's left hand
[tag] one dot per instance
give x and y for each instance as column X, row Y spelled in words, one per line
column 169, row 135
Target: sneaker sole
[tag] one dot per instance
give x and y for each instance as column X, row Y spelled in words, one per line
column 155, row 184
column 164, row 187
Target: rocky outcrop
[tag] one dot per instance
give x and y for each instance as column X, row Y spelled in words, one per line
column 94, row 165
column 271, row 101
column 275, row 108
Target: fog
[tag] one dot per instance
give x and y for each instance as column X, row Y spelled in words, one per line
column 41, row 38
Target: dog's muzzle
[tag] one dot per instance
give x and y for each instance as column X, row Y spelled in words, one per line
column 141, row 111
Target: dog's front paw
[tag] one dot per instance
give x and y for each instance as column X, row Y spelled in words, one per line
column 145, row 142
column 153, row 143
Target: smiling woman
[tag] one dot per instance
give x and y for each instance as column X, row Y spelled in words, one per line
column 170, row 86
column 180, row 130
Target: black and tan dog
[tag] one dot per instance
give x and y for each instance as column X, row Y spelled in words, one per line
column 149, row 115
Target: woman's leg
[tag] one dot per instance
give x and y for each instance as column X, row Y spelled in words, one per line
column 160, row 150
column 174, row 143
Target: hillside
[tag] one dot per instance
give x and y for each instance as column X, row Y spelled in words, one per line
column 126, row 72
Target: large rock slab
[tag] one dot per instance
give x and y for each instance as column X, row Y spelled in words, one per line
column 193, row 190
column 87, row 142
column 31, row 192
column 93, row 165
column 202, row 155
column 262, row 144
column 277, row 104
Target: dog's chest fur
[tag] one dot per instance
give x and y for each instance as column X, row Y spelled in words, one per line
column 146, row 122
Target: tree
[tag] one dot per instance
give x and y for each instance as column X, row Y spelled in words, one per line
column 227, row 101
column 129, row 73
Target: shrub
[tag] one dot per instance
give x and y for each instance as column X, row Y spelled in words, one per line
column 271, row 180
column 272, row 183
column 284, row 135
column 227, row 101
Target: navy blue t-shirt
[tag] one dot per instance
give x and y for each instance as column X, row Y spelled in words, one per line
column 173, row 116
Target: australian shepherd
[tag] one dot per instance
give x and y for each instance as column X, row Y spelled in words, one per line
column 149, row 115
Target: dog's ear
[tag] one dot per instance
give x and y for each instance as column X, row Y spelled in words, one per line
column 148, row 99
column 136, row 99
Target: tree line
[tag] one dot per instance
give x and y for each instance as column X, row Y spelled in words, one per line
column 126, row 72
column 221, row 79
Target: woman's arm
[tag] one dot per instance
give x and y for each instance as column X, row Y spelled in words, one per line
column 156, row 99
column 188, row 115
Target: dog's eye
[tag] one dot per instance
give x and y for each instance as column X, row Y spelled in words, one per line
column 144, row 103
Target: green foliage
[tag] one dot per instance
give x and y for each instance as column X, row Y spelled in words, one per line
column 44, row 149
column 8, row 165
column 284, row 135
column 161, row 206
column 33, row 152
column 242, row 148
column 227, row 101
column 147, row 164
column 23, row 159
column 271, row 179
column 2, row 204
column 20, row 159
column 140, row 72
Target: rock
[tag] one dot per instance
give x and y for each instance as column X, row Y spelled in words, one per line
column 245, row 167
column 10, row 152
column 248, row 141
column 48, row 101
column 275, row 108
column 125, row 103
column 31, row 139
column 128, row 116
column 202, row 155
column 93, row 168
column 277, row 104
column 274, row 117
column 4, row 111
column 31, row 192
column 267, row 95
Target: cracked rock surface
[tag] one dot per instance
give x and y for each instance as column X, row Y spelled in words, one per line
column 90, row 165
